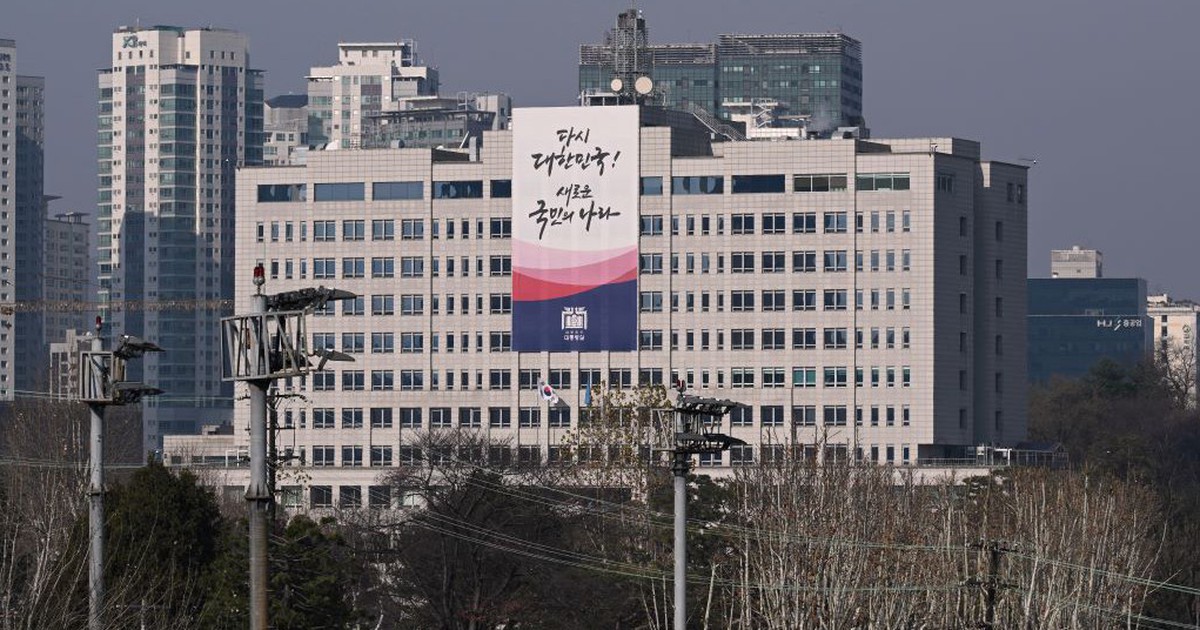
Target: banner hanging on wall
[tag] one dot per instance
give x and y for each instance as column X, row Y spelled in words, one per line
column 575, row 229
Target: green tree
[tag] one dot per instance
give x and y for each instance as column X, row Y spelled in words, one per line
column 311, row 578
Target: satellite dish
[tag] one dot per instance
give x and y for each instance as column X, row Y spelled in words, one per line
column 617, row 85
column 643, row 85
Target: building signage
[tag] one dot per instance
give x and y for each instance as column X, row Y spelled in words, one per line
column 1116, row 324
column 575, row 228
column 132, row 41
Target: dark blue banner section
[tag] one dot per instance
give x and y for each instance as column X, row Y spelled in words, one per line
column 604, row 318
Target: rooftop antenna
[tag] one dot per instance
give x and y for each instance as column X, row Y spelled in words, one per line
column 631, row 60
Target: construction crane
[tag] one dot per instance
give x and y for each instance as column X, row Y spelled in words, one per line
column 85, row 306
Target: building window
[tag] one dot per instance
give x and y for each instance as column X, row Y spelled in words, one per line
column 388, row 191
column 819, row 183
column 741, row 224
column 835, row 222
column 774, row 223
column 349, row 191
column 702, row 185
column 499, row 417
column 834, row 415
column 804, row 300
column 501, row 188
column 743, row 184
column 835, row 260
column 274, row 193
column 804, row 338
column 461, row 189
column 651, row 186
column 651, row 225
column 882, row 181
column 804, row 223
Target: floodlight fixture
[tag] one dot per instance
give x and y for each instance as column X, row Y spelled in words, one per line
column 329, row 354
column 132, row 347
column 307, row 299
column 128, row 392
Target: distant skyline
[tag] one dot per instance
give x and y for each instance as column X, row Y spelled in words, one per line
column 1102, row 93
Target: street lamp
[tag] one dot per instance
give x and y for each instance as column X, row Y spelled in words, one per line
column 102, row 382
column 697, row 421
column 271, row 342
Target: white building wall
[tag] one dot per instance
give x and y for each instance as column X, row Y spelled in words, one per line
column 934, row 318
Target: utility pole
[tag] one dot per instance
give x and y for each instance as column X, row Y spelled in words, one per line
column 96, row 507
column 991, row 584
column 696, row 421
column 258, row 495
column 101, row 384
column 268, row 343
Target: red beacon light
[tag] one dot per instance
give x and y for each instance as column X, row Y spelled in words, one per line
column 260, row 275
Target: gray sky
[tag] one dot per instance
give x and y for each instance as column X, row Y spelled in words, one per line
column 1103, row 93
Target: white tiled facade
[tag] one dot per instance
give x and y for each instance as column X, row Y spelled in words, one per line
column 1175, row 325
column 890, row 321
column 180, row 111
column 369, row 77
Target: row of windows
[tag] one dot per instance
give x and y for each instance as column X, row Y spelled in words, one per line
column 751, row 184
column 381, row 229
column 835, row 222
column 804, row 338
column 414, row 342
column 387, row 267
column 777, row 262
column 649, row 186
column 560, row 417
column 739, row 377
column 775, row 300
column 383, row 191
column 380, row 497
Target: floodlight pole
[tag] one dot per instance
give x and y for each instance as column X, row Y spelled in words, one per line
column 680, row 466
column 258, row 495
column 96, row 508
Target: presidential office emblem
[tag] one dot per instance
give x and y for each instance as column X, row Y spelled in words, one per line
column 574, row 322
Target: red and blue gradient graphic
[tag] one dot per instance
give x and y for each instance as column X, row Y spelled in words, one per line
column 575, row 229
column 598, row 288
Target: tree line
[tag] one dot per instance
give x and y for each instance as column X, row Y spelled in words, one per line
column 793, row 543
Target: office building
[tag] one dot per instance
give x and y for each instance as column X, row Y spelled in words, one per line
column 812, row 79
column 66, row 268
column 64, row 363
column 285, row 129
column 181, row 109
column 870, row 294
column 22, row 148
column 1076, row 263
column 1175, row 324
column 381, row 95
column 369, row 78
column 1075, row 322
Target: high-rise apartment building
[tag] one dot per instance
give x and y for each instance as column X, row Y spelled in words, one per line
column 22, row 147
column 817, row 76
column 285, row 133
column 66, row 268
column 180, row 111
column 369, row 78
column 867, row 293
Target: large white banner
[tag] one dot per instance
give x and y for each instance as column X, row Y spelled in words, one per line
column 575, row 228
